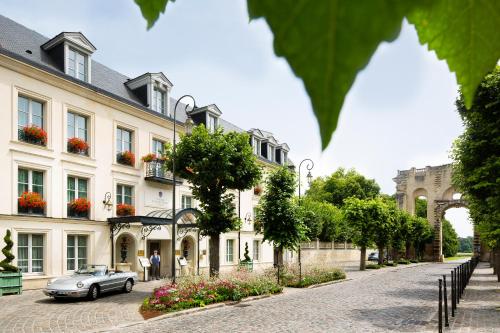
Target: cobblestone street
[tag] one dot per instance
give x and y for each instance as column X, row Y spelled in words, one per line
column 401, row 299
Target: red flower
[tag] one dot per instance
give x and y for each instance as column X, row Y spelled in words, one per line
column 126, row 157
column 30, row 200
column 77, row 145
column 80, row 205
column 125, row 210
column 35, row 134
column 257, row 190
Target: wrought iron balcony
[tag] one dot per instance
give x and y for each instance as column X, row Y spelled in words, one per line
column 156, row 172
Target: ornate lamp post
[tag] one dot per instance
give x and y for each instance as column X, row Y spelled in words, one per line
column 189, row 126
column 309, row 166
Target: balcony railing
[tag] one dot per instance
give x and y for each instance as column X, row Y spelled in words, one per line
column 156, row 172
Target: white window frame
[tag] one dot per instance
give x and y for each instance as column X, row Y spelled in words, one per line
column 30, row 180
column 256, row 250
column 120, row 190
column 77, row 65
column 184, row 201
column 229, row 250
column 211, row 128
column 76, row 258
column 75, row 115
column 122, row 143
column 30, row 252
column 30, row 110
column 153, row 146
column 76, row 179
column 159, row 100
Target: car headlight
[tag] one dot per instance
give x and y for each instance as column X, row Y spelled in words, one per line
column 79, row 284
column 50, row 282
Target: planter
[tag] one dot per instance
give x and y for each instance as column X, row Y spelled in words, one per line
column 78, row 146
column 246, row 266
column 124, row 210
column 11, row 283
column 126, row 158
column 33, row 134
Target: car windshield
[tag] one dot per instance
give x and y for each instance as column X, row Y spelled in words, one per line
column 96, row 270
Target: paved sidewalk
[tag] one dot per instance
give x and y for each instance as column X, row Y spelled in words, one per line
column 479, row 309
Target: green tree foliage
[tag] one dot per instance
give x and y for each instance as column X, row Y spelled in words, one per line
column 215, row 163
column 278, row 214
column 323, row 221
column 382, row 216
column 422, row 234
column 465, row 244
column 341, row 185
column 476, row 153
column 421, row 207
column 6, row 263
column 327, row 43
column 402, row 234
column 450, row 239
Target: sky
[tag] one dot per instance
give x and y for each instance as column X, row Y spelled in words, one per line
column 399, row 113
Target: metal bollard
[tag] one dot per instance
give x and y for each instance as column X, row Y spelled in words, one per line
column 446, row 322
column 457, row 273
column 453, row 302
column 440, row 308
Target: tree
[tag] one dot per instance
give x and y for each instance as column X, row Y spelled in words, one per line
column 421, row 207
column 422, row 234
column 341, row 185
column 278, row 214
column 246, row 254
column 345, row 49
column 450, row 239
column 465, row 244
column 402, row 235
column 322, row 219
column 358, row 216
column 215, row 163
column 6, row 264
column 476, row 171
column 383, row 219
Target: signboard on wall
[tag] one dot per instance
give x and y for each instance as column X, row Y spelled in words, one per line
column 140, row 253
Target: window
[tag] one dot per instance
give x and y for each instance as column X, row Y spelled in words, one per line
column 29, row 181
column 158, row 147
column 29, row 112
column 212, row 124
column 124, row 194
column 77, row 126
column 76, row 252
column 229, row 250
column 277, row 158
column 187, row 201
column 30, row 253
column 256, row 250
column 158, row 100
column 123, row 140
column 77, row 188
column 77, row 65
column 285, row 156
column 256, row 146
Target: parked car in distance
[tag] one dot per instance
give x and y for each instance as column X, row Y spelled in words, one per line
column 90, row 281
column 373, row 256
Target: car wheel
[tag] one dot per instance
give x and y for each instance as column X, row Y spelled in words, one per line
column 128, row 286
column 57, row 299
column 93, row 292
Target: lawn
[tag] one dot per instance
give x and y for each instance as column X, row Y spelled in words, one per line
column 459, row 256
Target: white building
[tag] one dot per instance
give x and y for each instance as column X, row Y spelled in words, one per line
column 54, row 84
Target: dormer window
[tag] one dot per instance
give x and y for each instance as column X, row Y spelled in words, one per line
column 71, row 52
column 212, row 123
column 77, row 64
column 158, row 100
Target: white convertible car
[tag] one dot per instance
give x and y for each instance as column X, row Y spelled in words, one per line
column 90, row 281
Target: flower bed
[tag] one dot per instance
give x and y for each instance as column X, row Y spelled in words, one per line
column 126, row 158
column 78, row 146
column 34, row 134
column 289, row 276
column 195, row 292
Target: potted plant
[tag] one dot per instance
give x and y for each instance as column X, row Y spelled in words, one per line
column 126, row 157
column 247, row 263
column 34, row 134
column 78, row 146
column 31, row 202
column 149, row 158
column 79, row 208
column 125, row 210
column 11, row 281
column 257, row 190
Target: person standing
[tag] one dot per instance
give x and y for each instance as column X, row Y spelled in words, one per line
column 155, row 265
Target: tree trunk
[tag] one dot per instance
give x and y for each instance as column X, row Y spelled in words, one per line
column 493, row 260
column 407, row 250
column 278, row 256
column 362, row 259
column 213, row 254
column 380, row 255
column 497, row 263
column 395, row 255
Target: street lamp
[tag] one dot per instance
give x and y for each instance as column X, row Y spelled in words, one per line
column 189, row 126
column 309, row 166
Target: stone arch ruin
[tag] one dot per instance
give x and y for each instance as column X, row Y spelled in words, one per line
column 435, row 184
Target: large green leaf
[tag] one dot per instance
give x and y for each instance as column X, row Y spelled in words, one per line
column 151, row 9
column 328, row 42
column 466, row 33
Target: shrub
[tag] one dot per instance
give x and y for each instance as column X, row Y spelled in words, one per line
column 125, row 210
column 31, row 200
column 374, row 266
column 414, row 261
column 126, row 157
column 78, row 146
column 6, row 263
column 403, row 261
column 289, row 276
column 391, row 264
column 34, row 134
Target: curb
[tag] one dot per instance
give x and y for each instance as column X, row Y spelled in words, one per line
column 326, row 283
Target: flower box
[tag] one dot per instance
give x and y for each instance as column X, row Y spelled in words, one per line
column 79, row 208
column 11, row 283
column 33, row 134
column 78, row 146
column 31, row 203
column 125, row 210
column 126, row 158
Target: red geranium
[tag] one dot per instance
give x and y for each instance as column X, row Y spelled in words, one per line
column 77, row 145
column 80, row 205
column 257, row 190
column 31, row 200
column 126, row 157
column 125, row 210
column 149, row 157
column 34, row 134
